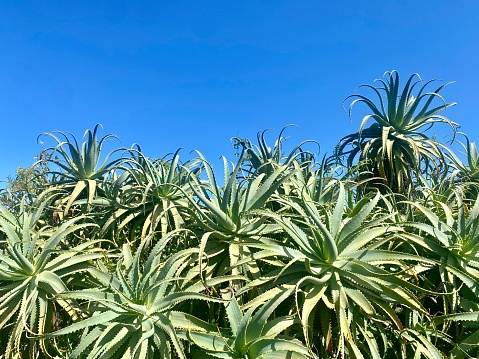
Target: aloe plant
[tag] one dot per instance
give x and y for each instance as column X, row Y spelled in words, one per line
column 80, row 166
column 453, row 237
column 149, row 194
column 225, row 215
column 465, row 174
column 463, row 345
column 337, row 266
column 33, row 269
column 262, row 159
column 250, row 336
column 395, row 145
column 130, row 309
column 372, row 256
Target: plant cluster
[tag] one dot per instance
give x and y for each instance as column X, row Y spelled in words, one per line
column 369, row 253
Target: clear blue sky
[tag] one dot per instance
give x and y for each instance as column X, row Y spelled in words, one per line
column 193, row 74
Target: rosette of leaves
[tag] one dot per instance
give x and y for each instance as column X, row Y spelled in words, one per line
column 462, row 332
column 262, row 159
column 321, row 184
column 466, row 173
column 395, row 146
column 33, row 269
column 226, row 215
column 149, row 195
column 347, row 288
column 469, row 170
column 80, row 166
column 449, row 232
column 130, row 309
column 250, row 335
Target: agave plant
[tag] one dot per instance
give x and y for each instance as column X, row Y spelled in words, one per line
column 33, row 269
column 130, row 309
column 395, row 145
column 80, row 166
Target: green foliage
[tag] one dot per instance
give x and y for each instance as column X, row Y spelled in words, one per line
column 80, row 166
column 27, row 184
column 129, row 309
column 251, row 335
column 395, row 145
column 465, row 175
column 148, row 195
column 33, row 269
column 286, row 257
column 226, row 215
column 262, row 159
column 333, row 263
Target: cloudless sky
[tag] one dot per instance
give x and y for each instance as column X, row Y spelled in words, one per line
column 193, row 74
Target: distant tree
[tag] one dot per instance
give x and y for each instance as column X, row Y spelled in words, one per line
column 27, row 183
